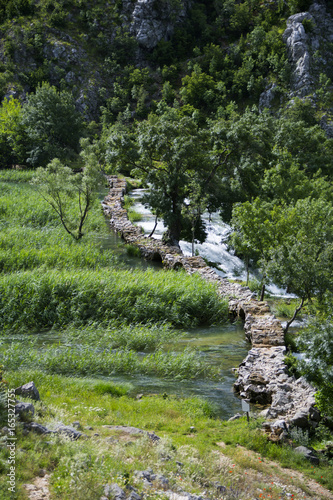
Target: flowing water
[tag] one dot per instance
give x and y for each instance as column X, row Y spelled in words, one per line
column 224, row 346
column 215, row 249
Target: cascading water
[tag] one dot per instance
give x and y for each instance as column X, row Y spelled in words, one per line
column 215, row 249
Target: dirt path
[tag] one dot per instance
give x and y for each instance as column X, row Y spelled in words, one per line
column 295, row 484
column 39, row 489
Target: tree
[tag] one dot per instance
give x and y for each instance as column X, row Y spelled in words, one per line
column 303, row 259
column 254, row 234
column 293, row 244
column 316, row 342
column 285, row 180
column 60, row 187
column 170, row 153
column 52, row 124
column 12, row 136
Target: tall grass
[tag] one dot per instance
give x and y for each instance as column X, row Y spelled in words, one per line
column 31, row 235
column 28, row 248
column 84, row 360
column 122, row 336
column 21, row 205
column 16, row 175
column 31, row 300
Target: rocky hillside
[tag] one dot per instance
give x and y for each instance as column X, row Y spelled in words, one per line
column 129, row 54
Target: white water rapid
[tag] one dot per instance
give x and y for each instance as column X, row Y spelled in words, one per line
column 214, row 249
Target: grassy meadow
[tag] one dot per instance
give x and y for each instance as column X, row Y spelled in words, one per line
column 107, row 320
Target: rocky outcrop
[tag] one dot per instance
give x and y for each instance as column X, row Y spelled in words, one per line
column 263, row 377
column 297, row 42
column 154, row 20
column 308, row 37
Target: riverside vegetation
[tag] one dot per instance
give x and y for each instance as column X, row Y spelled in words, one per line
column 213, row 105
column 103, row 316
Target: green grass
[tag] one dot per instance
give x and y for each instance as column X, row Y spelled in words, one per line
column 28, row 248
column 120, row 335
column 16, row 175
column 31, row 300
column 86, row 361
column 49, row 279
column 133, row 215
column 189, row 433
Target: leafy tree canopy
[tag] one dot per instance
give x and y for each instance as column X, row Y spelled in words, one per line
column 52, row 124
column 71, row 195
column 317, row 363
column 171, row 153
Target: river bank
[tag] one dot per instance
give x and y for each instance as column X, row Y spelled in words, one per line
column 263, row 376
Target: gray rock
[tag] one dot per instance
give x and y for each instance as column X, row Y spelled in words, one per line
column 281, row 398
column 314, row 414
column 153, row 21
column 296, row 40
column 235, row 417
column 28, row 390
column 308, row 454
column 300, row 419
column 66, row 430
column 267, row 97
column 279, row 424
column 37, row 428
column 24, row 410
column 133, row 430
column 134, row 496
column 114, row 491
column 77, row 426
column 163, row 481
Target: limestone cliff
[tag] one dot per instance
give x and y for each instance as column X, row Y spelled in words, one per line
column 309, row 38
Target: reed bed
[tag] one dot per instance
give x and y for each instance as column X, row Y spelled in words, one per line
column 123, row 336
column 87, row 361
column 32, row 300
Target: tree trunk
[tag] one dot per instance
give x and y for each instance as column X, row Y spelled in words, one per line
column 247, row 271
column 297, row 310
column 262, row 293
column 153, row 231
column 193, row 242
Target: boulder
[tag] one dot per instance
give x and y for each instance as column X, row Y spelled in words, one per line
column 37, row 428
column 300, row 419
column 28, row 390
column 235, row 417
column 66, row 430
column 308, row 453
column 24, row 411
column 114, row 492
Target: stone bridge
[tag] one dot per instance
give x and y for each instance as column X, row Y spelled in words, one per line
column 263, row 377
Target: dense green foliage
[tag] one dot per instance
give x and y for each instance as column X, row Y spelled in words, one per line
column 33, row 301
column 317, row 364
column 185, row 116
column 50, row 281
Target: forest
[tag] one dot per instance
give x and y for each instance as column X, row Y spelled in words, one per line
column 206, row 106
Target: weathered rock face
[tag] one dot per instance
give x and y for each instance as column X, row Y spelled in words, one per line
column 263, row 378
column 154, row 20
column 307, row 37
column 297, row 42
column 267, row 97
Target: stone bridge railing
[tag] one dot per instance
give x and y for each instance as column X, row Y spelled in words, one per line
column 263, row 376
